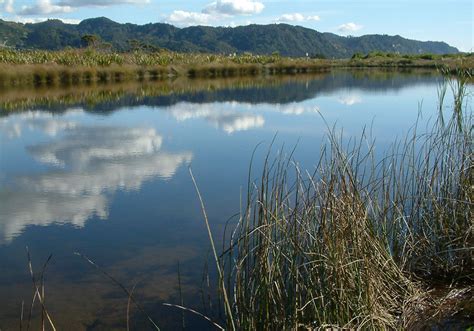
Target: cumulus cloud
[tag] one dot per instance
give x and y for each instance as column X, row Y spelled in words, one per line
column 186, row 18
column 47, row 7
column 44, row 7
column 100, row 3
column 31, row 19
column 234, row 7
column 7, row 6
column 349, row 27
column 297, row 17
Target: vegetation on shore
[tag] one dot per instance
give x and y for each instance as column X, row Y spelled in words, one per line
column 79, row 66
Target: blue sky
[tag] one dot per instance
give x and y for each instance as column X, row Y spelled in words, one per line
column 441, row 20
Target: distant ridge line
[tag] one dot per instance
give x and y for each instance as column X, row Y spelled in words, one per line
column 287, row 40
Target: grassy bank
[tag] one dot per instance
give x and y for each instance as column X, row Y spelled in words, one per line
column 77, row 66
column 363, row 241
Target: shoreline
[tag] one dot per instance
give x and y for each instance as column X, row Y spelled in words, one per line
column 18, row 98
column 76, row 67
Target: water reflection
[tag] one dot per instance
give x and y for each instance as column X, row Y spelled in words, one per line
column 88, row 164
column 101, row 169
column 14, row 126
column 272, row 90
column 22, row 208
column 350, row 99
column 224, row 116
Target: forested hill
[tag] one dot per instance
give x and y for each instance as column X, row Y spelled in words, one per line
column 286, row 39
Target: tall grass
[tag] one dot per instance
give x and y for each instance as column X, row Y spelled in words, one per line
column 73, row 66
column 355, row 243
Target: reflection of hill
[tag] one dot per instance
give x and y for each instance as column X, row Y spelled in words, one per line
column 274, row 90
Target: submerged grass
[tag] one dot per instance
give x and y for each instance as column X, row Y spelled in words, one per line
column 358, row 242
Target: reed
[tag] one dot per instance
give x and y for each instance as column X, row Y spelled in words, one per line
column 357, row 242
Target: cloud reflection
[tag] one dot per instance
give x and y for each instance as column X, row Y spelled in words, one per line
column 89, row 163
column 20, row 209
column 350, row 99
column 222, row 115
column 232, row 116
column 14, row 126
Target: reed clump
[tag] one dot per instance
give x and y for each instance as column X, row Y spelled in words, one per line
column 358, row 242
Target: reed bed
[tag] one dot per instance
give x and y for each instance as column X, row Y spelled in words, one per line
column 357, row 243
column 75, row 66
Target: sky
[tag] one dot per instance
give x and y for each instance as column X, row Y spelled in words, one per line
column 438, row 20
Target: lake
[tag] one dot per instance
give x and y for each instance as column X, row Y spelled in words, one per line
column 104, row 171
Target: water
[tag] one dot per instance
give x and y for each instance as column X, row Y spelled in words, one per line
column 110, row 179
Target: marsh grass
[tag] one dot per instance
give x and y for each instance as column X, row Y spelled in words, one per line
column 76, row 66
column 357, row 242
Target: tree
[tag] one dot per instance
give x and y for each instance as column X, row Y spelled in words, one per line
column 90, row 40
column 134, row 44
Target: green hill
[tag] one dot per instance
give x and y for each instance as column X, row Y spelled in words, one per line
column 286, row 39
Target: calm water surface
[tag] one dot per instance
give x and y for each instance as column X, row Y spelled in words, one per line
column 110, row 180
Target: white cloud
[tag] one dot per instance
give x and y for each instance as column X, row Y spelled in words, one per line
column 101, row 3
column 70, row 20
column 30, row 19
column 297, row 17
column 185, row 18
column 234, row 7
column 349, row 27
column 7, row 6
column 45, row 7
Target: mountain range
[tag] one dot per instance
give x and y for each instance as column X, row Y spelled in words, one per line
column 287, row 40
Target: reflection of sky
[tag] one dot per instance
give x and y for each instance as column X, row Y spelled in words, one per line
column 220, row 115
column 87, row 163
column 128, row 167
column 14, row 126
column 350, row 99
column 85, row 159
